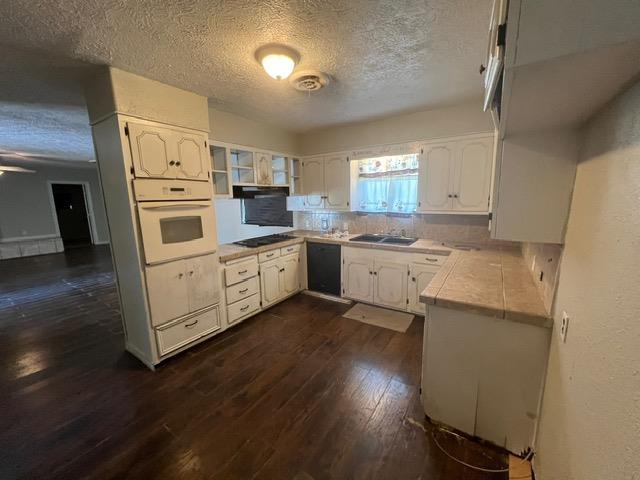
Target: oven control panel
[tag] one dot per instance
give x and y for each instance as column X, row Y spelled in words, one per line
column 152, row 190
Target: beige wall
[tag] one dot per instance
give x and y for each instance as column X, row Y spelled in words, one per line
column 231, row 128
column 424, row 125
column 590, row 424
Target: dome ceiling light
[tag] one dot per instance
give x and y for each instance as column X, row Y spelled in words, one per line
column 277, row 60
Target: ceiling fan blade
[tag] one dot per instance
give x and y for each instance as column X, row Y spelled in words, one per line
column 15, row 169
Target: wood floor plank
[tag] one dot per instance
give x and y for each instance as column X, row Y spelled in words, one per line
column 296, row 392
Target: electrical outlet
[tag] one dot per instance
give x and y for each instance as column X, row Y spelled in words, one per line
column 564, row 326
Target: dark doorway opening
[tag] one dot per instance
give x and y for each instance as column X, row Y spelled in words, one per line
column 71, row 211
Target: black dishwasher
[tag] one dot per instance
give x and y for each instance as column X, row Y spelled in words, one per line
column 323, row 268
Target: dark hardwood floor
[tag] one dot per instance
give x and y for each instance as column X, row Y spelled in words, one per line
column 297, row 392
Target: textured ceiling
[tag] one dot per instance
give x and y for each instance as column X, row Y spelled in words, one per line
column 384, row 57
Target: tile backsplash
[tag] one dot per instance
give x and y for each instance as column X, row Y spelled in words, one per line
column 445, row 228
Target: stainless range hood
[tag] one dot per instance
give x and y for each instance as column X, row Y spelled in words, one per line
column 259, row 192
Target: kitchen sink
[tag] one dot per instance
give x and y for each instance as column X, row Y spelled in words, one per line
column 398, row 240
column 384, row 239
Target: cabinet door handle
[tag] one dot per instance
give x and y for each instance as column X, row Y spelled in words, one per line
column 244, row 308
column 375, row 273
column 282, row 269
column 370, row 273
column 450, row 196
column 455, row 195
column 177, row 164
column 242, row 272
column 191, row 273
column 172, row 163
column 189, row 325
column 413, row 279
column 243, row 291
column 180, row 275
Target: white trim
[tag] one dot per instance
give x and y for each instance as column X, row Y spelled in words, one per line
column 86, row 192
column 29, row 238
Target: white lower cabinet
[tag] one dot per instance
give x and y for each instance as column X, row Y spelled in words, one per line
column 270, row 282
column 243, row 308
column 419, row 278
column 390, row 284
column 262, row 280
column 357, row 277
column 183, row 331
column 387, row 278
column 181, row 287
column 279, row 278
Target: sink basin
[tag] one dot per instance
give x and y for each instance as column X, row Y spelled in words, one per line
column 386, row 239
column 398, row 240
column 369, row 238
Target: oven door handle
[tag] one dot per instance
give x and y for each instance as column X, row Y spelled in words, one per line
column 174, row 207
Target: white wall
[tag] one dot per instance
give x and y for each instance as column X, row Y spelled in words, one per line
column 458, row 120
column 230, row 227
column 590, row 423
column 230, row 128
column 25, row 209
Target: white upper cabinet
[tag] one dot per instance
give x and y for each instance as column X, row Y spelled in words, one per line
column 455, row 176
column 192, row 157
column 313, row 182
column 263, row 168
column 326, row 182
column 159, row 152
column 151, row 151
column 336, row 182
column 472, row 178
column 435, row 176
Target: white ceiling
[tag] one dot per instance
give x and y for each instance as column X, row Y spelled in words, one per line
column 385, row 57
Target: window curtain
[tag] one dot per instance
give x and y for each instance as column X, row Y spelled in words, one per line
column 388, row 184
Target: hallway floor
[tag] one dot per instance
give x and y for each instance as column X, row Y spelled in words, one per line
column 296, row 392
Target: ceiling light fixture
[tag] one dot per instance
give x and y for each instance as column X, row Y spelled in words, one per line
column 277, row 60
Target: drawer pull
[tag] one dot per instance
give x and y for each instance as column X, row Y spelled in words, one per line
column 189, row 325
column 243, row 291
column 244, row 308
column 431, row 259
column 269, row 255
column 242, row 272
column 289, row 249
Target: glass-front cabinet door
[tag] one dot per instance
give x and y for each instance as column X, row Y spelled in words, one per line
column 243, row 170
column 220, row 170
column 280, row 170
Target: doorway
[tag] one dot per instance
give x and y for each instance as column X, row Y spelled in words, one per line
column 72, row 215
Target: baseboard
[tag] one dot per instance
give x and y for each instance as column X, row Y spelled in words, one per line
column 28, row 239
column 326, row 296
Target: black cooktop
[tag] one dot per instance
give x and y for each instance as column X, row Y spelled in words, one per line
column 260, row 241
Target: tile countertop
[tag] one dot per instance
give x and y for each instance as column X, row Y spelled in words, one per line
column 230, row 251
column 492, row 282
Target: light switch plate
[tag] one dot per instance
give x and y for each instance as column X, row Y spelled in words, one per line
column 564, row 326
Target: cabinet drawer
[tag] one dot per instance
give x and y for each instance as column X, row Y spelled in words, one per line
column 243, row 290
column 429, row 259
column 240, row 272
column 241, row 309
column 270, row 255
column 186, row 330
column 290, row 249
